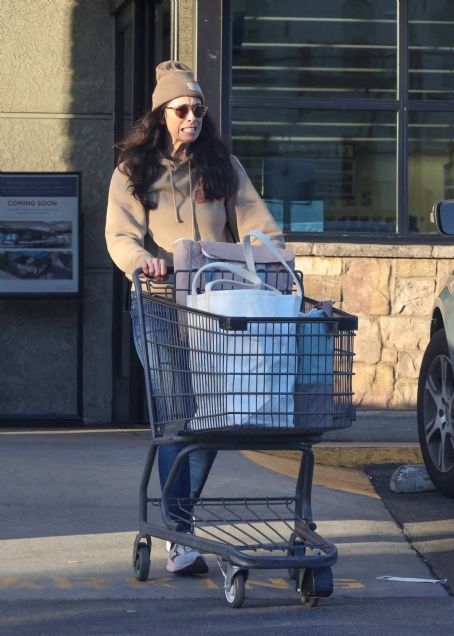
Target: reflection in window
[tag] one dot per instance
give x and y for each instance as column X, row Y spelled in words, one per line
column 288, row 48
column 334, row 167
column 431, row 49
column 322, row 170
column 430, row 165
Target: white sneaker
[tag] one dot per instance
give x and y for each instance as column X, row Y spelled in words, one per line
column 185, row 560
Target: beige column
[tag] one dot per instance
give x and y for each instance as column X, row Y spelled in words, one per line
column 186, row 11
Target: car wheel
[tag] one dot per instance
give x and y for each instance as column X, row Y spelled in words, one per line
column 435, row 411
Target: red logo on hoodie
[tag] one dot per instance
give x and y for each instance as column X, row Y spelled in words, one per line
column 199, row 194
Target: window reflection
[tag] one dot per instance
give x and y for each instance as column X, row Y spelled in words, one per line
column 430, row 165
column 283, row 47
column 431, row 54
column 336, row 169
column 322, row 171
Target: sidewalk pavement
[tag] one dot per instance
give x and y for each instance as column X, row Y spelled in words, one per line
column 378, row 426
column 70, row 502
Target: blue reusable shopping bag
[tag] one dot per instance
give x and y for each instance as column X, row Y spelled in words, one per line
column 314, row 391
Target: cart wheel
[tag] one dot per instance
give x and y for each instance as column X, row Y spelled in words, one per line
column 236, row 593
column 142, row 562
column 315, row 584
column 309, row 601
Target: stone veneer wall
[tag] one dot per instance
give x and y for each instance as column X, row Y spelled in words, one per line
column 391, row 288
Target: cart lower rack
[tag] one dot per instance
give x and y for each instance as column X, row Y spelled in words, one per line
column 217, row 383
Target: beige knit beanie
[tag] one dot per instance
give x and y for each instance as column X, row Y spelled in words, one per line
column 174, row 79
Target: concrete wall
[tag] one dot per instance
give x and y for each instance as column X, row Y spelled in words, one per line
column 391, row 289
column 56, row 103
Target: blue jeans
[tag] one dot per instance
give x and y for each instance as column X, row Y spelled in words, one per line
column 194, row 470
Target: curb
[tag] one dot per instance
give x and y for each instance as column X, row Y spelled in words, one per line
column 356, row 455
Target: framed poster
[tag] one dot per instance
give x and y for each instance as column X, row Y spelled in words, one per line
column 39, row 233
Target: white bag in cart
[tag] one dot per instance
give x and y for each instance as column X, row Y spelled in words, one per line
column 243, row 377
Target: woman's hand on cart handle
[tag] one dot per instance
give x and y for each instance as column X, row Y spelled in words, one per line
column 154, row 267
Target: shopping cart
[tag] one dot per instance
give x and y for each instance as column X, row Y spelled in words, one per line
column 209, row 386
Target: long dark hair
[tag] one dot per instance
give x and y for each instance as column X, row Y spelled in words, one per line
column 142, row 149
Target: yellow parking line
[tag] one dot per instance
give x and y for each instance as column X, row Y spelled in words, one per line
column 133, row 582
column 275, row 584
column 15, row 581
column 208, row 584
column 95, row 582
column 162, row 582
column 62, row 583
column 348, row 584
column 99, row 582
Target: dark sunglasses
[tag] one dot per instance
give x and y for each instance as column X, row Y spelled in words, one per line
column 199, row 110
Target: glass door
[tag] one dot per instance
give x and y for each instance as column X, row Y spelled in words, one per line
column 142, row 40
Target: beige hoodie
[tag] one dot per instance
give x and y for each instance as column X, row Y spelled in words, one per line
column 182, row 212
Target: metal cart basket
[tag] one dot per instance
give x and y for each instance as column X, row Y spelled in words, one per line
column 223, row 383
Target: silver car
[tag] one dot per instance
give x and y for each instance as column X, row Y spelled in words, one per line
column 435, row 404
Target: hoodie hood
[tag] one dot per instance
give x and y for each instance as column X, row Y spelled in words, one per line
column 182, row 170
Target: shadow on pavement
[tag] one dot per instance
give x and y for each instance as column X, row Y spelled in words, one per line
column 426, row 519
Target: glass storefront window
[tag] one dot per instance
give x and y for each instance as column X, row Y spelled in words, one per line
column 343, row 112
column 430, row 165
column 431, row 49
column 321, row 170
column 326, row 50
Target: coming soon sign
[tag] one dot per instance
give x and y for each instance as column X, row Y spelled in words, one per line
column 39, row 233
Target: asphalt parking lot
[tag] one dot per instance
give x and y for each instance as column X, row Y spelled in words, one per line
column 69, row 516
column 426, row 519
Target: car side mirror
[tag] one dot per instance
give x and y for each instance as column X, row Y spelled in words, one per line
column 443, row 216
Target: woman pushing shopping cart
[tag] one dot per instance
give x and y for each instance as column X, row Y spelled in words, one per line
column 176, row 179
column 216, row 381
